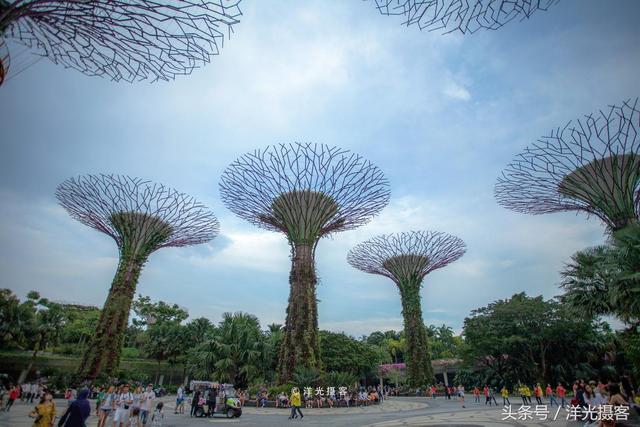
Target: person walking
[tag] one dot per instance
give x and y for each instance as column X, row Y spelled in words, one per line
column 179, row 401
column 485, row 391
column 24, row 392
column 461, row 394
column 33, row 392
column 561, row 392
column 550, row 396
column 107, row 404
column 44, row 412
column 13, row 395
column 146, row 404
column 77, row 412
column 527, row 393
column 505, row 396
column 538, row 393
column 476, row 394
column 434, row 390
column 123, row 403
column 195, row 402
column 295, row 404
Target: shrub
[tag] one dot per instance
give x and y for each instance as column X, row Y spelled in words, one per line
column 276, row 390
column 130, row 353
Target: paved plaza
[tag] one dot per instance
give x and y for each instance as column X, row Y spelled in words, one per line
column 403, row 411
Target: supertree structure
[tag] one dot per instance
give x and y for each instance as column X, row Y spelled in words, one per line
column 124, row 40
column 141, row 217
column 465, row 16
column 406, row 258
column 5, row 60
column 592, row 165
column 305, row 191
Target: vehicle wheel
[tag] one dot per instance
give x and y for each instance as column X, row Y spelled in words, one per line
column 199, row 412
column 230, row 413
column 238, row 413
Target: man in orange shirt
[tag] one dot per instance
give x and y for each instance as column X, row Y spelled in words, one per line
column 561, row 392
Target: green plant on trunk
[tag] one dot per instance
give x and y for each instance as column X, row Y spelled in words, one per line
column 141, row 217
column 141, row 234
column 305, row 191
column 303, row 214
column 406, row 258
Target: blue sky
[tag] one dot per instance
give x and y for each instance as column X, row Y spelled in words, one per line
column 441, row 115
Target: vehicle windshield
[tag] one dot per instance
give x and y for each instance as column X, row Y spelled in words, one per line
column 230, row 392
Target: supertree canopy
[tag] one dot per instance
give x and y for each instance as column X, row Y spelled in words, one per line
column 124, row 40
column 305, row 191
column 465, row 16
column 592, row 165
column 406, row 258
column 141, row 217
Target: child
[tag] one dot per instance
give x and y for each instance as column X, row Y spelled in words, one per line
column 134, row 419
column 158, row 416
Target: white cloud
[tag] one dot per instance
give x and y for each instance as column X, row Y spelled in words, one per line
column 456, row 91
column 255, row 250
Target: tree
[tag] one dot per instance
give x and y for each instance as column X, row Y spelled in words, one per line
column 605, row 280
column 149, row 313
column 17, row 320
column 165, row 341
column 591, row 165
column 80, row 325
column 442, row 343
column 234, row 353
column 123, row 40
column 307, row 192
column 199, row 330
column 406, row 258
column 141, row 217
column 529, row 339
column 342, row 353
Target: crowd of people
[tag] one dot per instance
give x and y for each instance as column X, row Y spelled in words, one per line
column 310, row 398
column 124, row 406
column 114, row 406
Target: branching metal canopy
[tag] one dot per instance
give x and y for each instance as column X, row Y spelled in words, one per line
column 137, row 213
column 406, row 255
column 304, row 190
column 465, row 16
column 124, row 40
column 592, row 165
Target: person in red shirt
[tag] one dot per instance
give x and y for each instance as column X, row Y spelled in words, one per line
column 433, row 391
column 476, row 394
column 561, row 392
column 13, row 395
column 549, row 393
column 485, row 391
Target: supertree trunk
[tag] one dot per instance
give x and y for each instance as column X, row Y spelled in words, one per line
column 103, row 352
column 300, row 346
column 417, row 357
column 406, row 258
column 141, row 217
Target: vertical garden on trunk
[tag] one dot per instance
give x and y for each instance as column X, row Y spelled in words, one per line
column 141, row 217
column 306, row 191
column 406, row 258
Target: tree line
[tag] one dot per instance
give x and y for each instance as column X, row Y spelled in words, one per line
column 518, row 339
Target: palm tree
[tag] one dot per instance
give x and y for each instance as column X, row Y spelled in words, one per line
column 234, row 353
column 605, row 280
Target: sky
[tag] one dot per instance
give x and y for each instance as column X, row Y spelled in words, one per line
column 440, row 115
